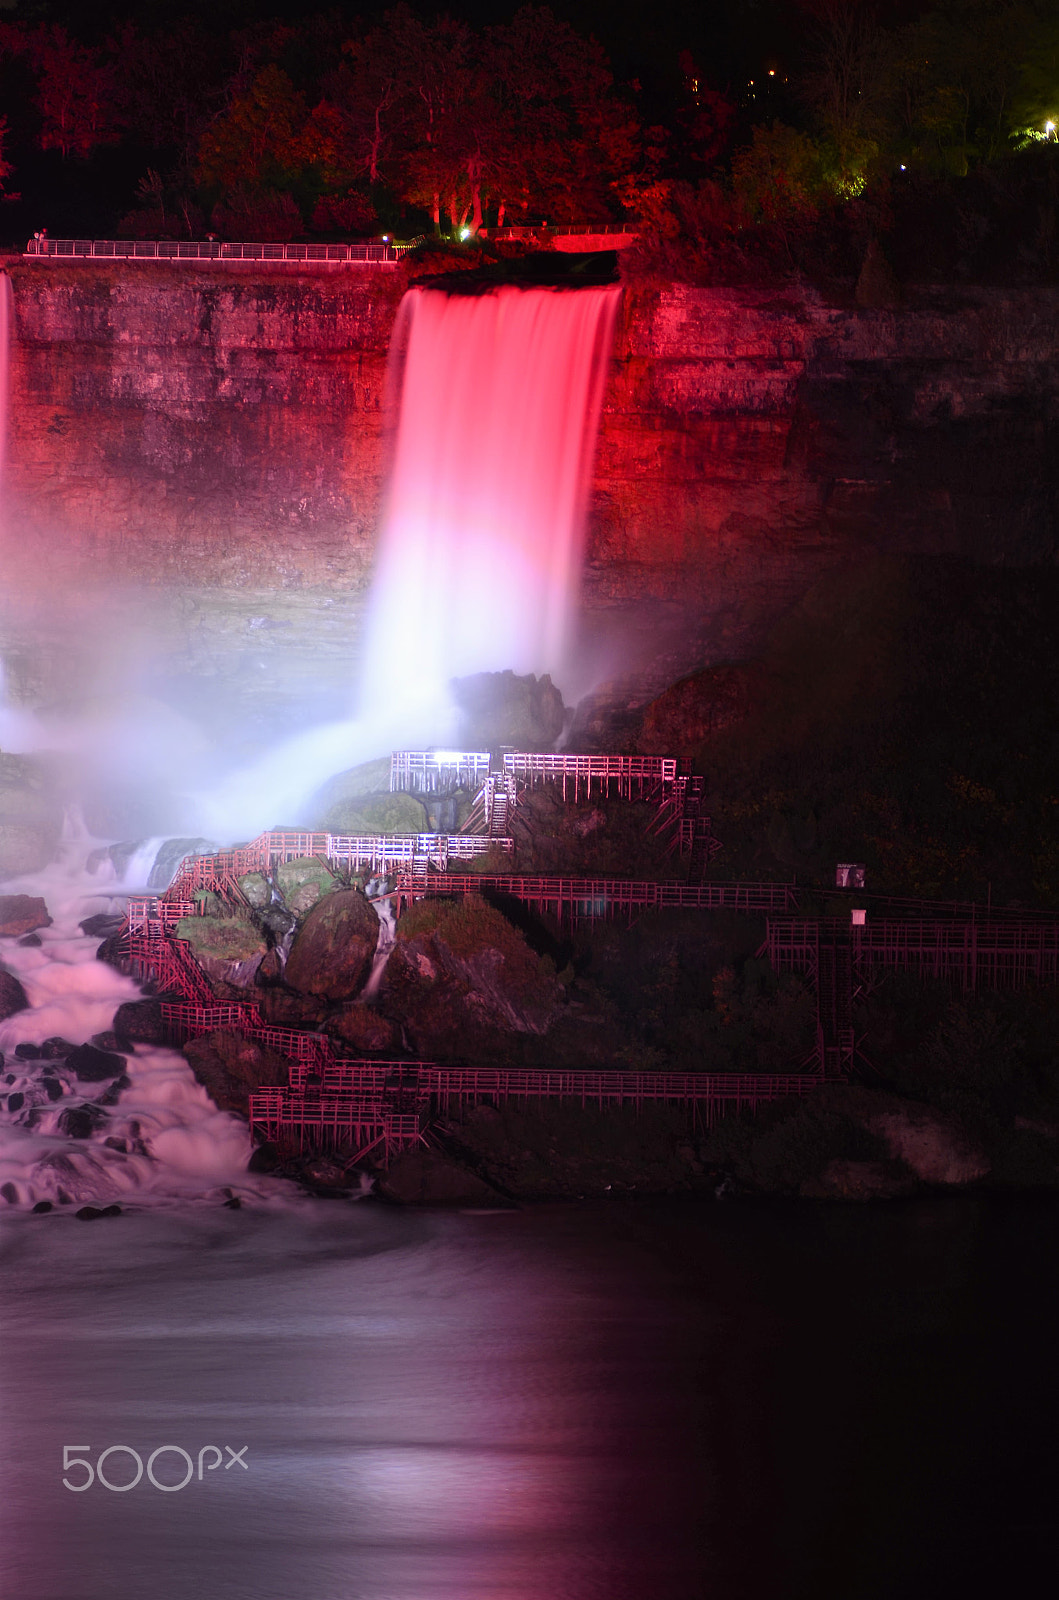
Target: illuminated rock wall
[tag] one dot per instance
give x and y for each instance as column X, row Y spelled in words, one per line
column 216, row 436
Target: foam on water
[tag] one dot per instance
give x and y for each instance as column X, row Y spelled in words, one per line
column 177, row 1144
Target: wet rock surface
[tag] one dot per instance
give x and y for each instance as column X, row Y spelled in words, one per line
column 12, row 995
column 333, row 950
column 501, row 708
column 102, row 925
column 429, row 1178
column 140, row 1022
column 362, row 1030
column 92, row 1065
column 462, row 978
column 229, row 1066
column 21, row 914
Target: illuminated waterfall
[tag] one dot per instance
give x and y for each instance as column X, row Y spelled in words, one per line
column 481, row 548
column 480, row 558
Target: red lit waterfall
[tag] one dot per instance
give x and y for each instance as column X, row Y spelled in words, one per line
column 481, row 546
column 480, row 557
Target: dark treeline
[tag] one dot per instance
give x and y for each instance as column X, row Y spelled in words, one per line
column 337, row 123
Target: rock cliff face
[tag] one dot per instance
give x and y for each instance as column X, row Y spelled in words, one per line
column 217, row 434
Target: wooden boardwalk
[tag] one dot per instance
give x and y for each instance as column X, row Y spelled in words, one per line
column 1003, row 954
column 575, row 899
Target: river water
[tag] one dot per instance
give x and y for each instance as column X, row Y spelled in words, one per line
column 662, row 1399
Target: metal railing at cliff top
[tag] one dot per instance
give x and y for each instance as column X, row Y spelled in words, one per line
column 310, row 255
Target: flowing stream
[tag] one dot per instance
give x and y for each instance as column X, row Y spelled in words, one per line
column 158, row 1140
column 671, row 1400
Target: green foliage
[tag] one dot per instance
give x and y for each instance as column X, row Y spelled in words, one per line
column 781, row 174
column 224, row 938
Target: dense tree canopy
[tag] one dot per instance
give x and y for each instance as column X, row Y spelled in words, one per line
column 341, row 123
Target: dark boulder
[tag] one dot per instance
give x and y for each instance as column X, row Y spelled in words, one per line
column 282, row 1008
column 140, row 1022
column 270, row 969
column 107, row 1040
column 102, row 925
column 500, row 708
column 27, row 1051
column 12, row 995
column 93, row 1065
column 325, row 1176
column 22, row 913
column 80, row 1122
column 229, row 1066
column 334, row 948
column 266, row 1158
column 462, row 982
column 112, row 1093
column 56, row 1048
column 114, row 951
column 696, row 710
column 32, row 941
column 362, row 1030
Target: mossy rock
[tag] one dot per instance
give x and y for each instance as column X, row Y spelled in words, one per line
column 334, row 948
column 380, row 813
column 370, row 777
column 303, row 882
column 222, row 938
column 257, row 889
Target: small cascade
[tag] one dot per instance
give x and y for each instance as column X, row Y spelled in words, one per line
column 140, row 865
column 383, row 904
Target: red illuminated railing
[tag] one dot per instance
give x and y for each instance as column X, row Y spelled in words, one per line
column 604, row 897
column 214, row 250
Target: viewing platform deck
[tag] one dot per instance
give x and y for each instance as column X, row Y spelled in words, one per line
column 1003, row 954
column 629, row 776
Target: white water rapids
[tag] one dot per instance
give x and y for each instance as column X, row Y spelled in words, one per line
column 163, row 1140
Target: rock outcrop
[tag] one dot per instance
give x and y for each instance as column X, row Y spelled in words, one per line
column 228, row 949
column 751, row 440
column 229, row 1066
column 334, row 947
column 12, row 995
column 21, row 914
column 461, row 979
column 931, row 1145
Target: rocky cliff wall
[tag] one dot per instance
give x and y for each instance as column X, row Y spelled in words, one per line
column 212, row 441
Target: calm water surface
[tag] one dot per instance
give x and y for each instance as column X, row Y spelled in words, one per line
column 658, row 1401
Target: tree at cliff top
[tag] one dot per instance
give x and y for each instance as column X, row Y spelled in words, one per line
column 76, row 89
column 266, row 148
column 516, row 122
